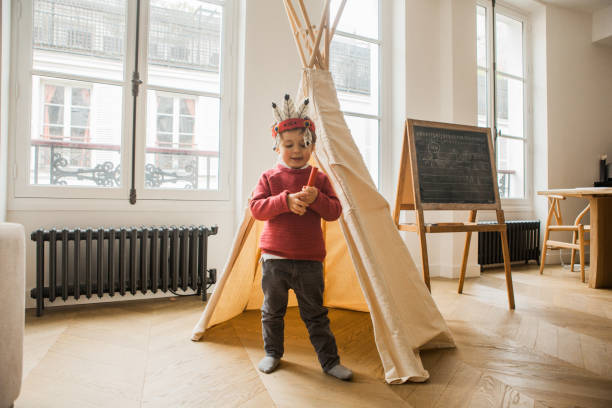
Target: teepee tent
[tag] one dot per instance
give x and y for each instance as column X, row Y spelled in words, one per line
column 368, row 267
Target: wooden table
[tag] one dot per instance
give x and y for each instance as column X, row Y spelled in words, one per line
column 600, row 275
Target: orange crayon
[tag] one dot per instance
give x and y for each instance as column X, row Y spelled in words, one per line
column 313, row 176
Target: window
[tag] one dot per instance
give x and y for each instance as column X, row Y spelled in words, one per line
column 184, row 95
column 65, row 118
column 355, row 67
column 79, row 74
column 510, row 83
column 75, row 135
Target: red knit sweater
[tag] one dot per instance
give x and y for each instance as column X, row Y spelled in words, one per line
column 287, row 234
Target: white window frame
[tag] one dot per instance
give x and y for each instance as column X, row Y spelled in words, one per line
column 21, row 108
column 226, row 129
column 386, row 174
column 525, row 203
column 382, row 95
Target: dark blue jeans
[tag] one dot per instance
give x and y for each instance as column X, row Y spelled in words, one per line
column 306, row 280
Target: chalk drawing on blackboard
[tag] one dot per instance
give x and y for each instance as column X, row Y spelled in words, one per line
column 452, row 168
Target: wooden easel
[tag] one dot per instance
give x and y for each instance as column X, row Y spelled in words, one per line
column 410, row 191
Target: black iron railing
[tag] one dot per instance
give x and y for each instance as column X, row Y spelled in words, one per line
column 108, row 173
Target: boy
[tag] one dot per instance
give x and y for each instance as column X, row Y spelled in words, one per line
column 292, row 243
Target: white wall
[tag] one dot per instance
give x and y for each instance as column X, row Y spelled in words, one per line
column 539, row 88
column 579, row 88
column 440, row 85
column 397, row 98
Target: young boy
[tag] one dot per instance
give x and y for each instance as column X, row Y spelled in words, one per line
column 292, row 243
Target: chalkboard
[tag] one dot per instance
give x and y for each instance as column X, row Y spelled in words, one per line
column 453, row 164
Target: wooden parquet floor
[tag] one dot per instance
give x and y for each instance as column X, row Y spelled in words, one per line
column 555, row 350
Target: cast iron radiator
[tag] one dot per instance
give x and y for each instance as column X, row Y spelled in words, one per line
column 523, row 243
column 122, row 260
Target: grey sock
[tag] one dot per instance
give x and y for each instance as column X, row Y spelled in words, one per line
column 341, row 372
column 268, row 364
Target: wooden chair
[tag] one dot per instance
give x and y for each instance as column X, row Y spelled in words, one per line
column 578, row 231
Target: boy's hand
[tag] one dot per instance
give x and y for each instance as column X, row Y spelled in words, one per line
column 308, row 194
column 296, row 204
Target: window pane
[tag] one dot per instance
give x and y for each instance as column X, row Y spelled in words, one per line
column 187, row 106
column 185, row 140
column 73, row 37
column 365, row 134
column 79, row 134
column 165, row 104
column 79, row 117
column 80, row 97
column 354, row 67
column 54, row 115
column 481, row 36
column 510, row 167
column 510, row 106
column 85, row 151
column 182, row 150
column 187, row 124
column 164, row 139
column 185, row 45
column 483, row 99
column 211, row 175
column 164, row 123
column 54, row 132
column 54, row 94
column 509, row 46
column 359, row 17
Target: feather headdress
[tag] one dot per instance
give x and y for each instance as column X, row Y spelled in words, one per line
column 289, row 118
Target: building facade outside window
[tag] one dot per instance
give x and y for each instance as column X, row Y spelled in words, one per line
column 511, row 142
column 355, row 67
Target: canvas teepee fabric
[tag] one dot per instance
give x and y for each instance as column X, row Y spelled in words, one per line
column 367, row 268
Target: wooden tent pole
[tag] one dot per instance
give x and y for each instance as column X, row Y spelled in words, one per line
column 337, row 19
column 307, row 20
column 320, row 57
column 319, row 33
column 310, row 32
column 326, row 48
column 296, row 37
column 303, row 32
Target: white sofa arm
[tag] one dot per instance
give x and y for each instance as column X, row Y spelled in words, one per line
column 12, row 310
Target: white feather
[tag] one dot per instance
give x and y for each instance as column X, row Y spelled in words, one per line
column 292, row 112
column 302, row 109
column 307, row 137
column 276, row 113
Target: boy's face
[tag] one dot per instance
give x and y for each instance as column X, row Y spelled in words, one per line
column 292, row 149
